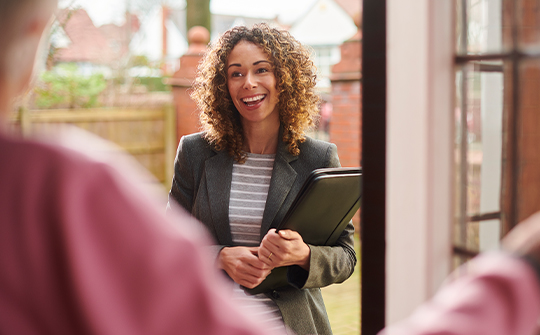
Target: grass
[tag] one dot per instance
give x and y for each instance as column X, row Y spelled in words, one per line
column 343, row 302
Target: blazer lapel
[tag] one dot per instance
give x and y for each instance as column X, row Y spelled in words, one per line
column 283, row 177
column 218, row 170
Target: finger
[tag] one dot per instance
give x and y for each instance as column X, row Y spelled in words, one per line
column 253, row 276
column 270, row 244
column 257, row 274
column 259, row 263
column 250, row 284
column 254, row 251
column 266, row 257
column 288, row 234
column 271, row 235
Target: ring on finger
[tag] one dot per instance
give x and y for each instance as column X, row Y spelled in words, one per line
column 270, row 256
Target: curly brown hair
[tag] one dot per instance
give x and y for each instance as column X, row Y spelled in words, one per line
column 295, row 83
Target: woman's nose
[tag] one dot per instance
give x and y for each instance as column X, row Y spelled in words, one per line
column 250, row 82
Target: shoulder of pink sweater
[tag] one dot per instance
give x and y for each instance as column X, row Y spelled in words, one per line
column 493, row 294
column 503, row 263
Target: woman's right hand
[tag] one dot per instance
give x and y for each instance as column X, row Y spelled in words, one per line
column 242, row 264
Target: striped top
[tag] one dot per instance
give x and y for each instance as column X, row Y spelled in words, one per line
column 249, row 190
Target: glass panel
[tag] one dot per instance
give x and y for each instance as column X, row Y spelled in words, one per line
column 478, row 151
column 489, row 234
column 460, row 148
column 483, row 28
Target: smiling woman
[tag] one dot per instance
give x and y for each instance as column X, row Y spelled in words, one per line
column 252, row 86
column 277, row 55
column 255, row 90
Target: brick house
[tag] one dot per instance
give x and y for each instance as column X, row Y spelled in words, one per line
column 76, row 39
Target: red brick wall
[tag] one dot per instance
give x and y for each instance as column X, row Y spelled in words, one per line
column 345, row 124
column 187, row 117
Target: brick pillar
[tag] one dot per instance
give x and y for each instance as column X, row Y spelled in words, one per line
column 187, row 119
column 345, row 124
column 346, row 116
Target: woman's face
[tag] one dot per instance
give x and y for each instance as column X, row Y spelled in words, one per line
column 252, row 85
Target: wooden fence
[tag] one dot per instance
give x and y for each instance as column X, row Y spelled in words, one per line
column 147, row 134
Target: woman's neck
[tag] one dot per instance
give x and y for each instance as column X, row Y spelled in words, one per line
column 261, row 141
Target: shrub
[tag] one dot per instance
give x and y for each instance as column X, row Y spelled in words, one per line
column 64, row 86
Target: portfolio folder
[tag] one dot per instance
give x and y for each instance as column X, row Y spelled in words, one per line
column 322, row 209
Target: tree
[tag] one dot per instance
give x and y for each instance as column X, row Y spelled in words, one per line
column 198, row 14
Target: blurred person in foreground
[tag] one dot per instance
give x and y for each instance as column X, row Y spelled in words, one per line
column 81, row 250
column 255, row 88
column 496, row 293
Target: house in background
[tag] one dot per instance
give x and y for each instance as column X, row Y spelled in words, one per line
column 160, row 36
column 75, row 39
column 160, row 40
column 325, row 27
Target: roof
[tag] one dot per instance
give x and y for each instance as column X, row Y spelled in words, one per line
column 325, row 24
column 352, row 7
column 89, row 43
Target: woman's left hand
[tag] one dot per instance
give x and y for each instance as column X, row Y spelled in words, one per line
column 283, row 249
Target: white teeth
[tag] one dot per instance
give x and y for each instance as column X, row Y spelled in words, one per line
column 255, row 98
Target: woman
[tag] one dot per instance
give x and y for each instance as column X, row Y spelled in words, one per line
column 255, row 90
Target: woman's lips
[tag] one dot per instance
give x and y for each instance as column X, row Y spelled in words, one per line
column 254, row 100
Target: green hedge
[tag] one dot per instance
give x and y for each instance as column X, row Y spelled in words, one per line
column 153, row 84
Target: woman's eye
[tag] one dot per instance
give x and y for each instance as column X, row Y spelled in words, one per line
column 262, row 70
column 236, row 74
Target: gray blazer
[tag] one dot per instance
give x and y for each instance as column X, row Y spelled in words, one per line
column 202, row 185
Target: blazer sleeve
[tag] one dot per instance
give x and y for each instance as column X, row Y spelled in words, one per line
column 328, row 264
column 183, row 183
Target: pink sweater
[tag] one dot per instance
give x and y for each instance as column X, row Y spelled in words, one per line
column 81, row 252
column 498, row 295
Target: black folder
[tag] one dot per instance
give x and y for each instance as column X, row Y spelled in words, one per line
column 320, row 212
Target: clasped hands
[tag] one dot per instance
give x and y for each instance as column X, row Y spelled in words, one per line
column 249, row 266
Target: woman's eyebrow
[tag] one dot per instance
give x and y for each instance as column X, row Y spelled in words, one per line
column 256, row 63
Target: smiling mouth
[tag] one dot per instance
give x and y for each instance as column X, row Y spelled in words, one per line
column 252, row 101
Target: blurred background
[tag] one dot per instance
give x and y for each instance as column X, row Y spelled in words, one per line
column 122, row 70
column 113, row 66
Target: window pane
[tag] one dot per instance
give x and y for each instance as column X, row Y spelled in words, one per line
column 483, row 26
column 478, row 147
column 489, row 234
